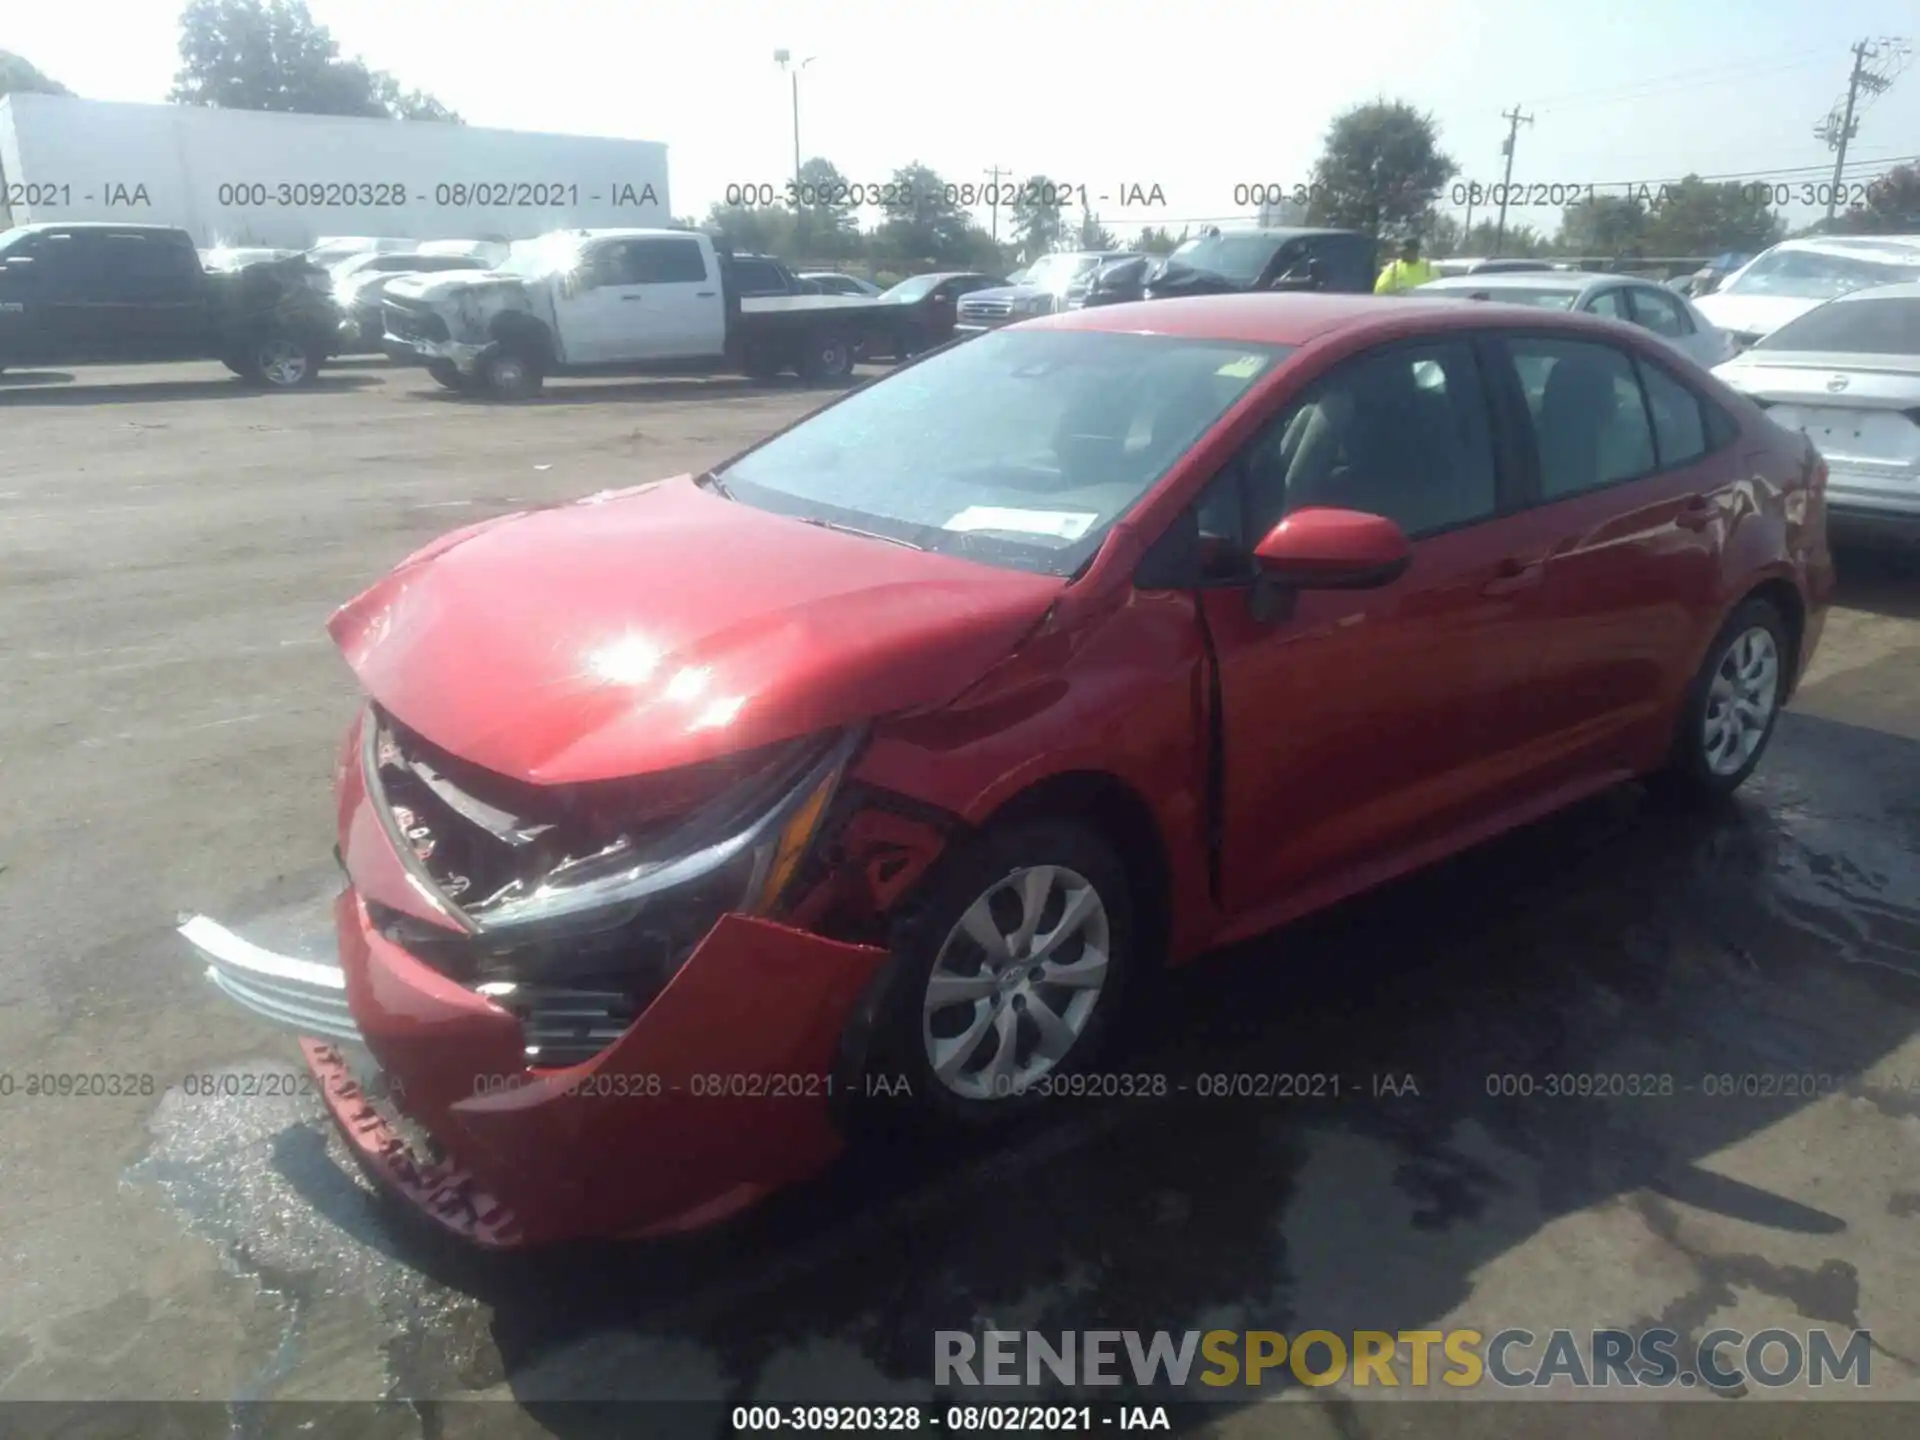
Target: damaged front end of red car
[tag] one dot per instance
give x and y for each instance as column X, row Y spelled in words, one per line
column 640, row 1044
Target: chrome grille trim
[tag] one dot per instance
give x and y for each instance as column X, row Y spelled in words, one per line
column 304, row 996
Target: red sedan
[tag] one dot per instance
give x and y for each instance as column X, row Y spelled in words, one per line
column 689, row 828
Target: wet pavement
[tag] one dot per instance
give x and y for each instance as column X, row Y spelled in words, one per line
column 210, row 1240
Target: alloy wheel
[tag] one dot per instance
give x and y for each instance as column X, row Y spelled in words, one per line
column 1741, row 700
column 1015, row 982
column 283, row 361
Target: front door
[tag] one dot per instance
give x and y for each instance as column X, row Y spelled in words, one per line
column 1367, row 724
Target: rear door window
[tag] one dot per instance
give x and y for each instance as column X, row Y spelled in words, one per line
column 1589, row 423
column 1660, row 312
column 1679, row 424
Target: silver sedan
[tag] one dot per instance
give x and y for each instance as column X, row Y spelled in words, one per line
column 1847, row 376
column 1645, row 303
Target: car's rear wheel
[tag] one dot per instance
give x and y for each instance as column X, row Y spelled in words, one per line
column 1012, row 965
column 1731, row 707
column 825, row 359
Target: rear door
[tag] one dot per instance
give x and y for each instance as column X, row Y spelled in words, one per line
column 157, row 291
column 1636, row 485
column 27, row 320
column 1366, row 724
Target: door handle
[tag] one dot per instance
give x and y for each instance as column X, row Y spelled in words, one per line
column 632, row 299
column 1513, row 575
column 1695, row 513
column 703, row 294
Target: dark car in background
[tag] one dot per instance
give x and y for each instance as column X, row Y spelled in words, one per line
column 1225, row 262
column 1053, row 282
column 925, row 310
column 89, row 292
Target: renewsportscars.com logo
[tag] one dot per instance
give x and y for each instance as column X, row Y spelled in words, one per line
column 1515, row 1358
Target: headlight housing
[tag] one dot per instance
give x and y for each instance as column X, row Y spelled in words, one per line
column 595, row 900
column 542, row 877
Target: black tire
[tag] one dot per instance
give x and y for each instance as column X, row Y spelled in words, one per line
column 447, row 373
column 1697, row 767
column 762, row 363
column 277, row 360
column 826, row 359
column 510, row 373
column 977, row 869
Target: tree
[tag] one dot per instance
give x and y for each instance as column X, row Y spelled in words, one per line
column 18, row 76
column 1093, row 235
column 1038, row 218
column 1892, row 206
column 824, row 224
column 1605, row 225
column 925, row 222
column 1380, row 171
column 1698, row 217
column 272, row 55
column 754, row 229
column 1157, row 242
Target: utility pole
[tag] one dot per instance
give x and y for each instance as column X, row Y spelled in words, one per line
column 1514, row 121
column 993, row 198
column 1843, row 122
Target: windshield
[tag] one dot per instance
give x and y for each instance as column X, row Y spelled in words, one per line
column 1812, row 275
column 1239, row 258
column 913, row 289
column 1018, row 448
column 1853, row 327
column 547, row 255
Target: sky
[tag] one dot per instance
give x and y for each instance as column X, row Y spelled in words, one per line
column 1196, row 99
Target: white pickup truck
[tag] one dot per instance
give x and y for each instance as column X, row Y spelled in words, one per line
column 578, row 302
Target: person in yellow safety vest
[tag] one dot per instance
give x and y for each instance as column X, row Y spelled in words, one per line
column 1406, row 272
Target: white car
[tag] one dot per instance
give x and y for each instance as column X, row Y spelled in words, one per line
column 1847, row 375
column 1645, row 303
column 1795, row 276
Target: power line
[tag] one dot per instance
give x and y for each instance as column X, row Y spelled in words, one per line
column 1650, row 90
column 1679, row 78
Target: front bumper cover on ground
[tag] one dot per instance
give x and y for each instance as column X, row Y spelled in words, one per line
column 718, row 1094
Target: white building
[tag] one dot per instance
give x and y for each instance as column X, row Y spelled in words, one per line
column 250, row 177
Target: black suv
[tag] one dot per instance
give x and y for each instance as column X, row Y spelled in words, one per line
column 1221, row 262
column 93, row 293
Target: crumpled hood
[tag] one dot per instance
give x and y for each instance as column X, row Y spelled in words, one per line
column 443, row 284
column 652, row 628
column 1753, row 314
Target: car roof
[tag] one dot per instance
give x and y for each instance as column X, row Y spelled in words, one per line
column 1898, row 247
column 1571, row 280
column 1904, row 290
column 100, row 225
column 1264, row 318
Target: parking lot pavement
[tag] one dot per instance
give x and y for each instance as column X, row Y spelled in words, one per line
column 169, row 547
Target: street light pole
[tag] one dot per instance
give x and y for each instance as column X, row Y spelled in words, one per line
column 784, row 59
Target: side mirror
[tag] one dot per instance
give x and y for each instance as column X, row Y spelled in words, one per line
column 1327, row 549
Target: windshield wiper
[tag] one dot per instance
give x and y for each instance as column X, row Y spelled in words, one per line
column 712, row 481
column 851, row 530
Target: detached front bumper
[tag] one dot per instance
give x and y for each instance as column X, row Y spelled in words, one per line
column 718, row 1094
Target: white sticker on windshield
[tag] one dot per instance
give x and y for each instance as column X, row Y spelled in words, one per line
column 1245, row 368
column 1060, row 524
